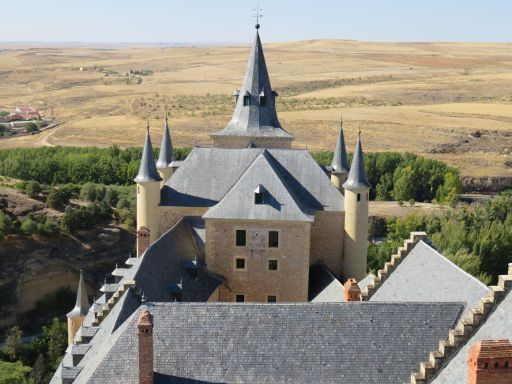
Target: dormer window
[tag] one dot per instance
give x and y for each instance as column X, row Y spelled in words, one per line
column 259, row 195
column 263, row 100
column 247, row 98
column 236, row 94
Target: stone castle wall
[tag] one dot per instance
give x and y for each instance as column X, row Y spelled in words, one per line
column 327, row 233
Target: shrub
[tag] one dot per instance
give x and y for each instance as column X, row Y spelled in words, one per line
column 13, row 373
column 55, row 199
column 412, row 202
column 32, row 188
column 28, row 227
column 31, row 127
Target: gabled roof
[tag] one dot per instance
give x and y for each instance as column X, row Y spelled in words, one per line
column 324, row 287
column 371, row 343
column 497, row 326
column 357, row 179
column 255, row 120
column 339, row 163
column 208, row 174
column 425, row 275
column 147, row 169
column 280, row 200
column 166, row 156
column 82, row 302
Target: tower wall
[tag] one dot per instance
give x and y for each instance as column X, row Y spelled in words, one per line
column 327, row 233
column 74, row 324
column 356, row 235
column 148, row 199
column 165, row 174
column 338, row 180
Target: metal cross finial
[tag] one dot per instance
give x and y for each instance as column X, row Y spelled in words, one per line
column 257, row 14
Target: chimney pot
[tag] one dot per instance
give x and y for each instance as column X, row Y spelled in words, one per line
column 145, row 335
column 351, row 291
column 490, row 362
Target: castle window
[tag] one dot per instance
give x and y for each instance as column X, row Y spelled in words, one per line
column 496, row 365
column 241, row 237
column 358, row 197
column 247, row 99
column 259, row 195
column 239, row 298
column 240, row 263
column 486, row 365
column 138, row 190
column 367, row 196
column 263, row 100
column 272, row 265
column 271, row 299
column 273, row 239
column 506, row 364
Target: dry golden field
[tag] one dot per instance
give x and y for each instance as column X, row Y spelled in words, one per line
column 449, row 101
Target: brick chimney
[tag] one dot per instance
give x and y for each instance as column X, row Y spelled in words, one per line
column 490, row 362
column 145, row 335
column 351, row 291
column 143, row 240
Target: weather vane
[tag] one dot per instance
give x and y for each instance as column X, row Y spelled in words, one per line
column 257, row 14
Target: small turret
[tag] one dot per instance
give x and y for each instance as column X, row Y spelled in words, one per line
column 339, row 163
column 166, row 156
column 357, row 189
column 77, row 315
column 148, row 196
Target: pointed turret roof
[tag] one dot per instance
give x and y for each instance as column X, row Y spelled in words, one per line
column 259, row 118
column 166, row 151
column 339, row 160
column 357, row 176
column 82, row 302
column 147, row 170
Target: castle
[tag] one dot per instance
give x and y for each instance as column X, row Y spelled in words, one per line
column 251, row 268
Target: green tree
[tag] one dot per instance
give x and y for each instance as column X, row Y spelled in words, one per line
column 28, row 227
column 55, row 199
column 31, row 127
column 13, row 373
column 13, row 344
column 39, row 370
column 112, row 196
column 32, row 188
column 5, row 224
column 55, row 335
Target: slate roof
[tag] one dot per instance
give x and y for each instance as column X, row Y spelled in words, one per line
column 82, row 302
column 425, row 275
column 147, row 170
column 362, row 284
column 339, row 163
column 497, row 326
column 324, row 287
column 357, row 178
column 166, row 155
column 255, row 120
column 208, row 174
column 160, row 267
column 286, row 343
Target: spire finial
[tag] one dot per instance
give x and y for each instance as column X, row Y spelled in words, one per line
column 341, row 119
column 257, row 14
column 147, row 124
column 166, row 114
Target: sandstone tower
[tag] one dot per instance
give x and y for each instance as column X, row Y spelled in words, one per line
column 357, row 189
column 77, row 315
column 339, row 163
column 148, row 198
column 166, row 157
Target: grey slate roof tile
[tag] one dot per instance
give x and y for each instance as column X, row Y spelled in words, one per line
column 366, row 343
column 166, row 155
column 147, row 170
column 497, row 326
column 357, row 178
column 425, row 275
column 324, row 287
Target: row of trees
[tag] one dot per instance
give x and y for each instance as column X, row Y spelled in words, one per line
column 478, row 238
column 394, row 176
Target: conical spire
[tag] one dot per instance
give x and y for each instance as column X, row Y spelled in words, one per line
column 166, row 151
column 82, row 302
column 147, row 170
column 339, row 160
column 357, row 176
column 255, row 113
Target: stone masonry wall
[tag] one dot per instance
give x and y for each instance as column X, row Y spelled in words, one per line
column 169, row 216
column 327, row 234
column 289, row 283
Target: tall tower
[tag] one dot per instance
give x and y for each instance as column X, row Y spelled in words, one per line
column 357, row 189
column 148, row 198
column 77, row 315
column 166, row 156
column 339, row 163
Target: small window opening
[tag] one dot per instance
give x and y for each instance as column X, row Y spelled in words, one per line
column 273, row 239
column 271, row 299
column 241, row 237
column 259, row 195
column 486, row 365
column 358, row 197
column 240, row 263
column 272, row 265
column 496, row 365
column 176, row 296
column 367, row 196
column 239, row 298
column 506, row 364
column 138, row 190
column 247, row 99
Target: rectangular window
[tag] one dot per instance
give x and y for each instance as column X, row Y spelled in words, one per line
column 358, row 197
column 273, row 239
column 239, row 298
column 240, row 263
column 263, row 101
column 272, row 265
column 246, row 100
column 259, row 198
column 271, row 299
column 240, row 237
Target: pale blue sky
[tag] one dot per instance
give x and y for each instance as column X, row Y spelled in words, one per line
column 230, row 20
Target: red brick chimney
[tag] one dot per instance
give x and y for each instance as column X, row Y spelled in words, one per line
column 490, row 362
column 145, row 334
column 143, row 240
column 351, row 291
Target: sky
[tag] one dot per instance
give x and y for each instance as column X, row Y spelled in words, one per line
column 231, row 21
